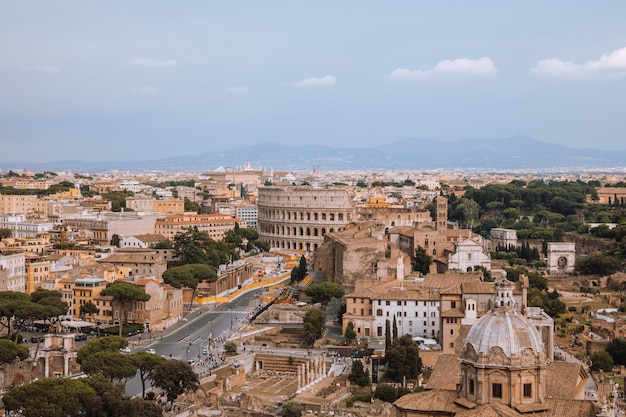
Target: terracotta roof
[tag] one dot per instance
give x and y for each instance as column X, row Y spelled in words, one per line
column 437, row 401
column 453, row 312
column 570, row 408
column 563, row 380
column 450, row 279
column 151, row 237
column 446, row 373
column 490, row 410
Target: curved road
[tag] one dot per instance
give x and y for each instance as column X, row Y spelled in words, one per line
column 188, row 342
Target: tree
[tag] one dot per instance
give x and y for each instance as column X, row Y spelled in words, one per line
column 298, row 273
column 394, row 329
column 108, row 344
column 389, row 393
column 111, row 365
column 91, row 309
column 50, row 397
column 65, row 397
column 350, row 334
column 387, row 334
column 358, row 375
column 421, row 261
column 175, row 377
column 125, row 294
column 403, row 360
column 10, row 301
column 189, row 276
column 314, row 323
column 601, row 360
column 4, row 233
column 115, row 240
column 617, row 349
column 324, row 291
column 9, row 351
column 230, row 348
column 145, row 362
column 291, row 409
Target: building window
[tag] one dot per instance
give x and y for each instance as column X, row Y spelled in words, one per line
column 451, row 331
column 496, row 390
column 452, row 304
column 470, row 390
column 379, row 331
column 379, row 312
column 528, row 390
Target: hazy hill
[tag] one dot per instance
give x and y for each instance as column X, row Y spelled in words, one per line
column 517, row 152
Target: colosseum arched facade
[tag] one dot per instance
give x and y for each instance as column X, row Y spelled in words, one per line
column 297, row 218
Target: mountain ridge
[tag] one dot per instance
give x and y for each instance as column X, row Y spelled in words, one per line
column 511, row 153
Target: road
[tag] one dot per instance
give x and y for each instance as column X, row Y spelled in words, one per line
column 188, row 342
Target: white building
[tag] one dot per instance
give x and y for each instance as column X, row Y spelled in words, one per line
column 248, row 214
column 142, row 241
column 21, row 228
column 469, row 254
column 13, row 272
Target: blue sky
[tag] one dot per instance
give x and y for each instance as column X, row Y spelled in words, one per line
column 129, row 80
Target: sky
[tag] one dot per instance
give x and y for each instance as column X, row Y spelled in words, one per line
column 141, row 80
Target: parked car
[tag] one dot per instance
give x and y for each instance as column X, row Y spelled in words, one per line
column 80, row 336
column 125, row 349
column 151, row 351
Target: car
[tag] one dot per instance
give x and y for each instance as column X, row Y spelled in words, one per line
column 125, row 349
column 80, row 336
column 151, row 351
column 185, row 319
column 191, row 362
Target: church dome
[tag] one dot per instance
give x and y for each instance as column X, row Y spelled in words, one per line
column 505, row 328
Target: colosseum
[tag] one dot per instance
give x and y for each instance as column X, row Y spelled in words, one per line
column 297, row 218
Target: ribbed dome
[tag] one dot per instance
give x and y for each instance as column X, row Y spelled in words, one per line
column 507, row 329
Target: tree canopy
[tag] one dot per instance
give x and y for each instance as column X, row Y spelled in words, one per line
column 124, row 295
column 403, row 360
column 175, row 377
column 324, row 292
column 314, row 324
column 65, row 397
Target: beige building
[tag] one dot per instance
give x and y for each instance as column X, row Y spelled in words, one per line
column 215, row 225
column 101, row 228
column 297, row 218
column 30, row 205
column 169, row 205
column 37, row 271
column 140, row 262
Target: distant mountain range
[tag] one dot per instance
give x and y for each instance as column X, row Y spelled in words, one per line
column 513, row 153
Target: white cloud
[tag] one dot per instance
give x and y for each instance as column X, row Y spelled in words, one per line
column 44, row 69
column 613, row 64
column 463, row 66
column 146, row 90
column 237, row 90
column 149, row 62
column 325, row 81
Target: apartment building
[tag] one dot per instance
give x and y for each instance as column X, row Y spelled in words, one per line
column 23, row 228
column 37, row 271
column 24, row 204
column 13, row 272
column 215, row 225
column 140, row 262
column 100, row 228
column 151, row 204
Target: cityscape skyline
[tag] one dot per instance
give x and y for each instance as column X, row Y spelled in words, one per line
column 144, row 80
